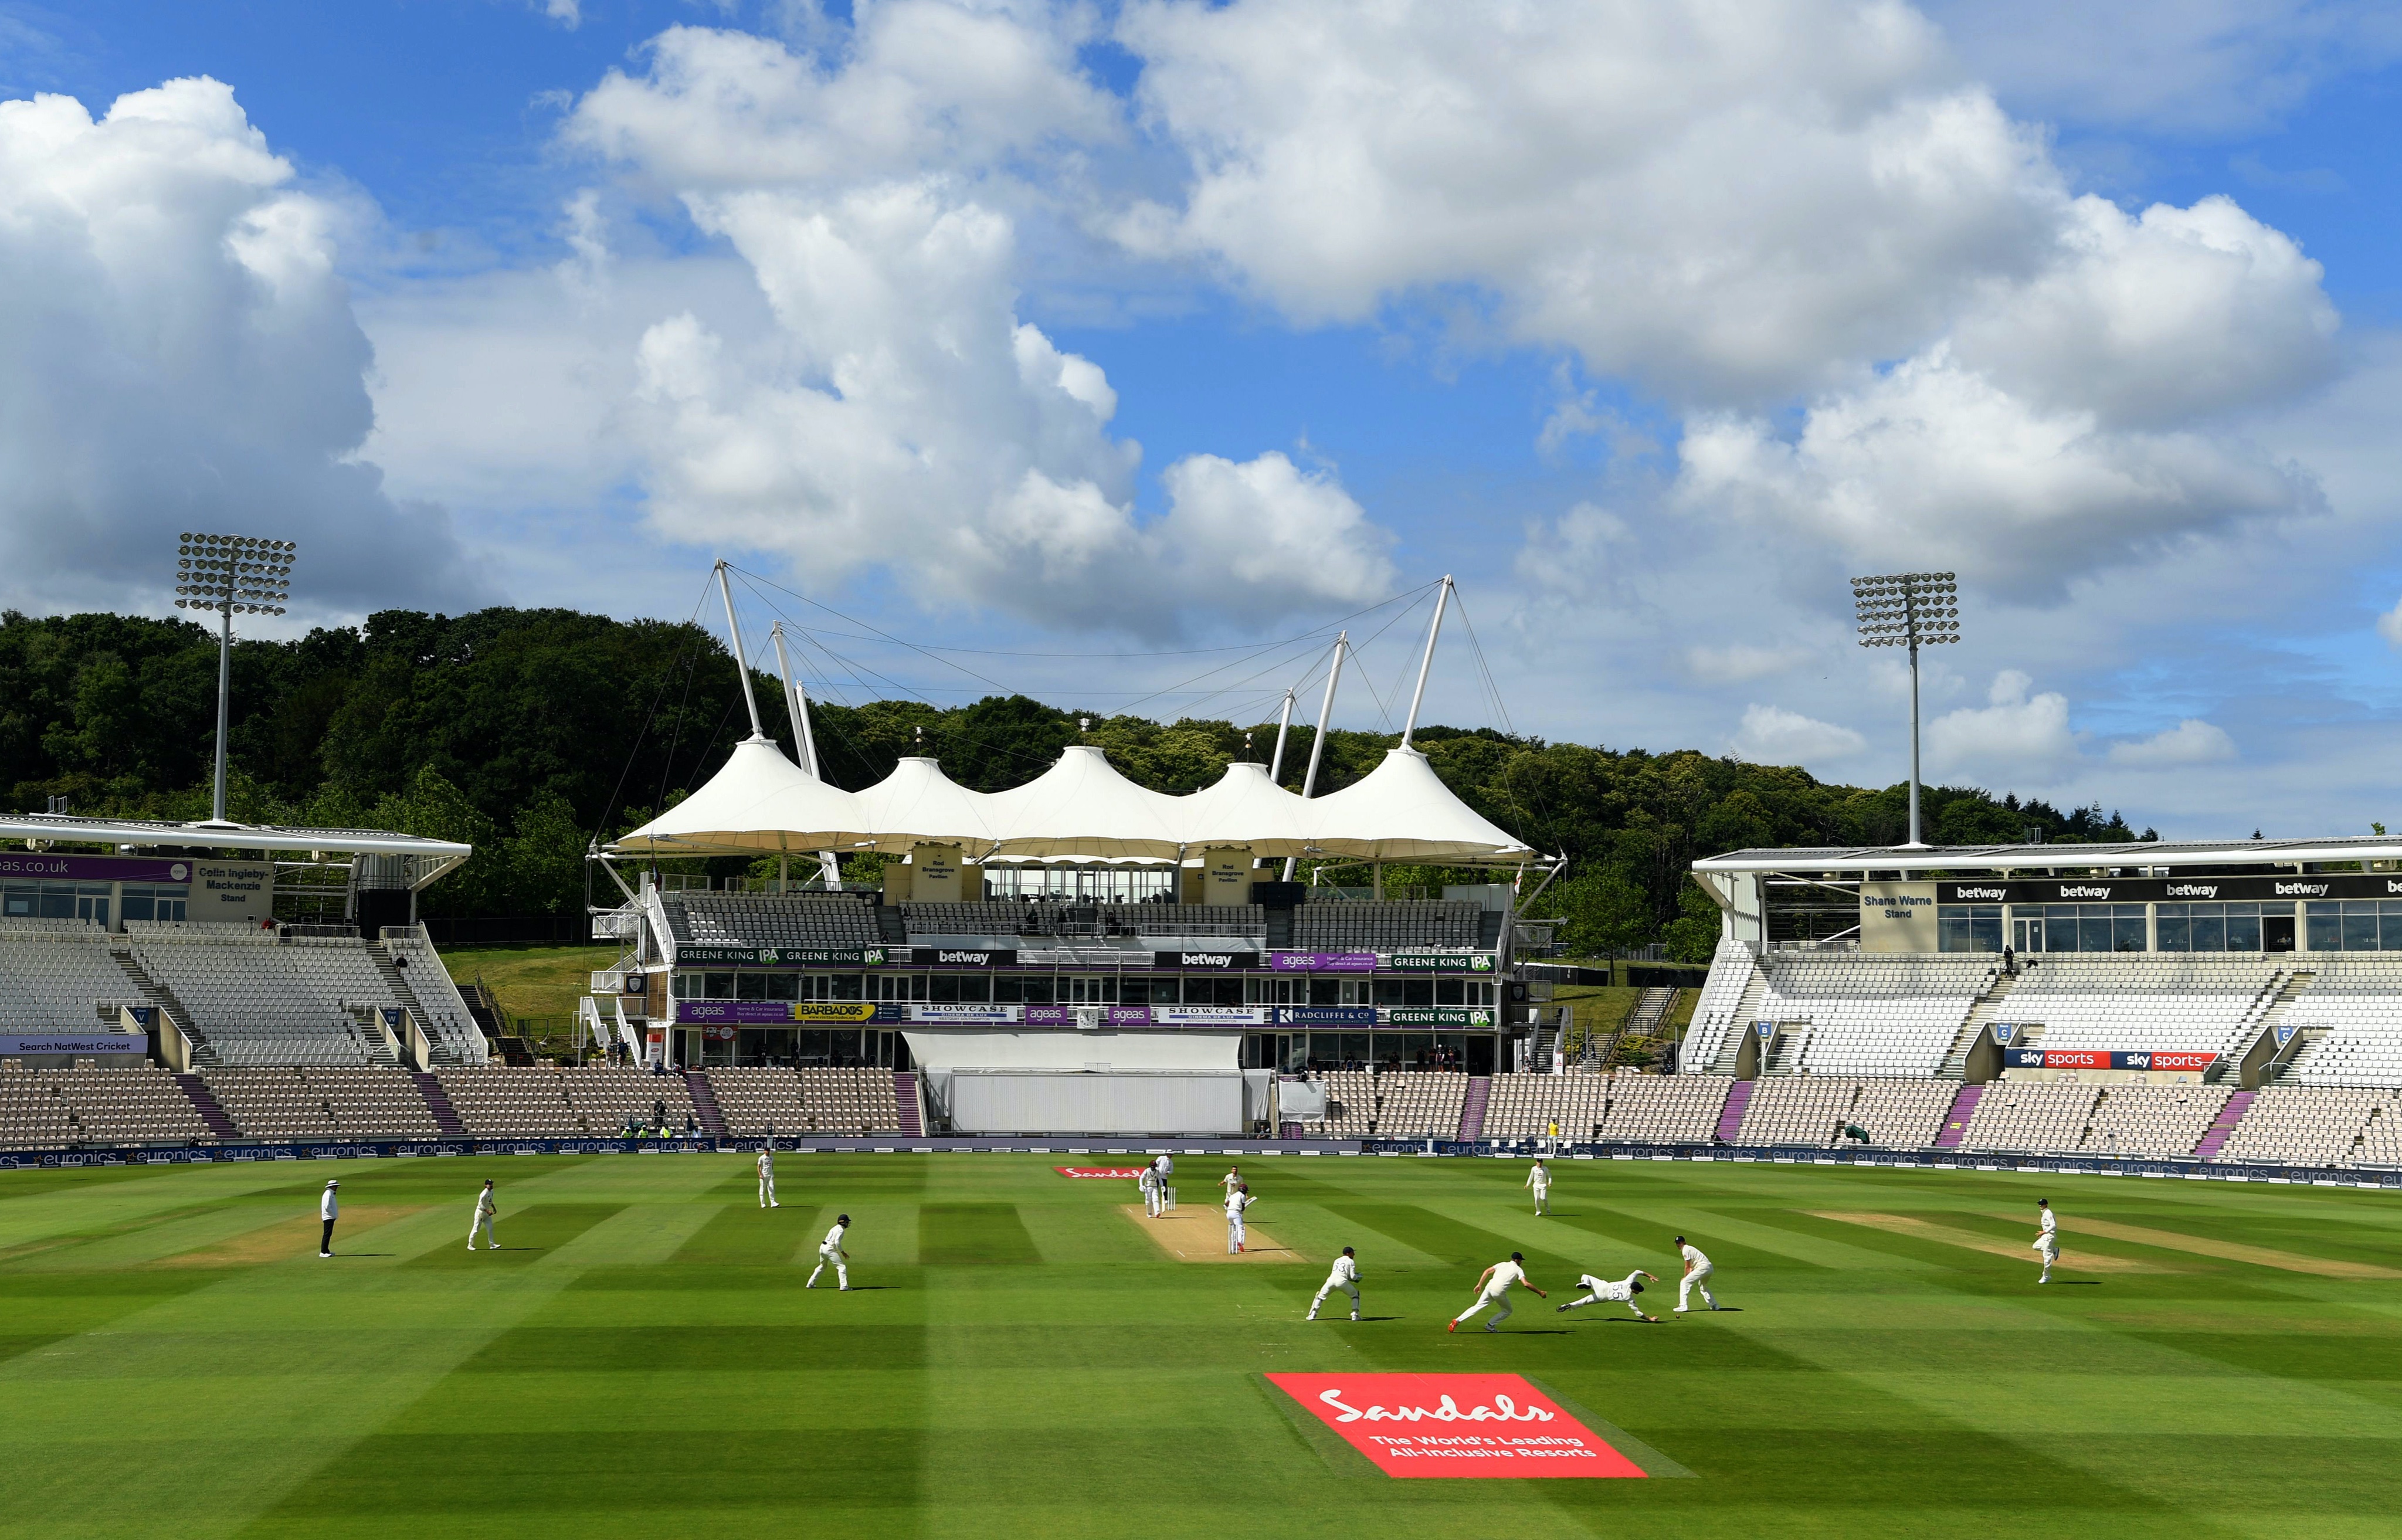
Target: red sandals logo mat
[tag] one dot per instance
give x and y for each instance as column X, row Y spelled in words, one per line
column 1126, row 1173
column 1455, row 1424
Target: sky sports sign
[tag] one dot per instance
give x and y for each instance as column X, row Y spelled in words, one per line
column 2097, row 1058
column 2346, row 885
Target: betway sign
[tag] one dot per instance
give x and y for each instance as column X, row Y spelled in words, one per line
column 2346, row 885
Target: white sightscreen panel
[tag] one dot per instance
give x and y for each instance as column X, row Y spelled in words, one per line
column 1007, row 1103
column 964, row 1048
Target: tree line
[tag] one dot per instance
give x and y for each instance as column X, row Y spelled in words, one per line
column 529, row 733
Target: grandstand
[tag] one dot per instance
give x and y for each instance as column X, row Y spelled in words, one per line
column 755, row 1103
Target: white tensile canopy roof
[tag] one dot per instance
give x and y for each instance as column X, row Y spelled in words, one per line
column 918, row 804
column 760, row 801
column 1079, row 809
column 1081, row 806
column 1245, row 807
column 1402, row 811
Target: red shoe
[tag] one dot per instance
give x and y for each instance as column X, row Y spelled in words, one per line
column 1453, row 1326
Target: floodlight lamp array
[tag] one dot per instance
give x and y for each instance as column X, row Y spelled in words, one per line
column 234, row 574
column 1907, row 609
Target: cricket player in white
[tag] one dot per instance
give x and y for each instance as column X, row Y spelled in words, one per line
column 1149, row 1182
column 486, row 1211
column 1166, row 1169
column 1232, row 1179
column 1697, row 1276
column 329, row 1208
column 2047, row 1246
column 767, row 1176
column 1345, row 1276
column 830, row 1250
column 1493, row 1289
column 1236, row 1202
column 1539, row 1180
column 1623, row 1292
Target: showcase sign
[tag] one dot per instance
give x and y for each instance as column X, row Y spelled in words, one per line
column 777, row 957
column 940, row 1014
column 1208, row 1015
column 1455, row 1424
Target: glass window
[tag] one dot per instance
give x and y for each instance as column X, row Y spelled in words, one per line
column 1480, row 992
column 2389, row 915
column 2360, row 927
column 750, row 986
column 1388, row 992
column 144, row 901
column 2324, row 924
column 1451, row 992
column 1968, row 928
column 783, row 986
column 2127, row 929
column 2243, row 927
column 2174, row 927
column 19, row 901
column 716, row 986
column 944, row 989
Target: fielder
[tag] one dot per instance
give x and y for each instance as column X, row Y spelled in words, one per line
column 1539, row 1180
column 1623, row 1292
column 1152, row 1203
column 1232, row 1179
column 486, row 1211
column 1345, row 1277
column 2047, row 1246
column 329, row 1208
column 1236, row 1202
column 1166, row 1169
column 767, row 1176
column 1697, row 1276
column 1493, row 1289
column 830, row 1250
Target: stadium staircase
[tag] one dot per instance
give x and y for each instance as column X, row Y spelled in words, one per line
column 905, row 1096
column 1731, row 1112
column 395, row 979
column 205, row 1103
column 1955, row 1122
column 1471, row 1112
column 704, row 1103
column 2218, row 1132
column 1981, row 1015
column 1747, row 1011
column 1279, row 931
column 1785, row 1050
column 160, row 996
column 438, row 1101
column 2273, row 1016
column 891, row 925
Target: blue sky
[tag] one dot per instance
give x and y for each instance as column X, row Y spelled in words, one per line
column 1139, row 328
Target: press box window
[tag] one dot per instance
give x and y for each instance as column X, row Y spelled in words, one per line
column 2360, row 925
column 155, row 903
column 2220, row 927
column 1968, row 928
column 2094, row 928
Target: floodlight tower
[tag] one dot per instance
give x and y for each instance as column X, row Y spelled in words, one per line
column 1909, row 609
column 231, row 574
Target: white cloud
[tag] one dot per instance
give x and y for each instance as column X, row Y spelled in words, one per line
column 2200, row 67
column 2389, row 625
column 1771, row 735
column 568, row 13
column 1739, row 662
column 181, row 356
column 2017, row 734
column 2191, row 741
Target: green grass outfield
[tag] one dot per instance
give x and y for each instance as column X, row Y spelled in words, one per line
column 641, row 1361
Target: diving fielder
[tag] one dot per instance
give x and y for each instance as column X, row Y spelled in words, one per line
column 830, row 1250
column 1540, row 1180
column 1237, row 1201
column 1623, row 1292
column 2047, row 1246
column 486, row 1212
column 768, row 1175
column 1697, row 1276
column 1493, row 1289
column 1345, row 1277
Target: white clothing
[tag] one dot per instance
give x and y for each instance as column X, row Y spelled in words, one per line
column 1539, row 1176
column 328, row 1207
column 1697, row 1273
column 1149, row 1183
column 1230, row 1181
column 1166, row 1168
column 1504, row 1274
column 485, row 1210
column 1596, row 1290
column 830, row 1250
column 2051, row 1222
column 1236, row 1203
column 1343, row 1276
column 1346, row 1271
column 1497, row 1292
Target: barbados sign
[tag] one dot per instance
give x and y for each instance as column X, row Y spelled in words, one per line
column 1455, row 1424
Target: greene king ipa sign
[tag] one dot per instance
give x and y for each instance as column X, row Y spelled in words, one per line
column 1455, row 1424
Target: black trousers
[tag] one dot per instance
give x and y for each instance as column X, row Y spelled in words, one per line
column 326, row 1243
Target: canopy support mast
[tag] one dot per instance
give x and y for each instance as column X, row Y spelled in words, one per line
column 742, row 663
column 1325, row 715
column 1425, row 663
column 797, row 702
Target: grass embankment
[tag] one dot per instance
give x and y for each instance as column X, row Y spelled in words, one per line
column 537, row 987
column 1019, row 1358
